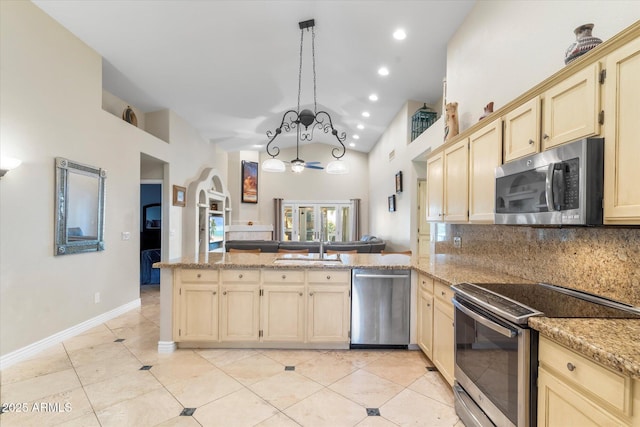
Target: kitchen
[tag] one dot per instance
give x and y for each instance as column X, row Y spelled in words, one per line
column 608, row 254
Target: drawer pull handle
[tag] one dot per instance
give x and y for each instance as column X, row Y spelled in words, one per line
column 571, row 366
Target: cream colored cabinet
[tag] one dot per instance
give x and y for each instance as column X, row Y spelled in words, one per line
column 283, row 306
column 621, row 130
column 425, row 315
column 196, row 305
column 575, row 391
column 570, row 108
column 435, row 187
column 522, row 130
column 485, row 155
column 443, row 338
column 448, row 184
column 328, row 307
column 240, row 305
column 456, row 182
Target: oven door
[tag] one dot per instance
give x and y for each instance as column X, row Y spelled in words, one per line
column 492, row 366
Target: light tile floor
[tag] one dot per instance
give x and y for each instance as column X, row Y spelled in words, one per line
column 92, row 380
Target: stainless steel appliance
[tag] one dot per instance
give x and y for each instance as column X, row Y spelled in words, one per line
column 380, row 307
column 496, row 355
column 560, row 186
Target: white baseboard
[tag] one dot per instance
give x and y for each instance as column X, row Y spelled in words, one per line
column 167, row 346
column 33, row 349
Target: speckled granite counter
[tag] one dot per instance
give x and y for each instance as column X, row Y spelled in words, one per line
column 613, row 343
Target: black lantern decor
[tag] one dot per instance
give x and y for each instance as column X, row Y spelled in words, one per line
column 421, row 120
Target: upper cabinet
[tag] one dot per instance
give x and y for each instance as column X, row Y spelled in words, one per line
column 522, row 130
column 435, row 187
column 571, row 108
column 485, row 155
column 447, row 184
column 621, row 129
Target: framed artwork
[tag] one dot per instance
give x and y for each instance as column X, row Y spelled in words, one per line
column 399, row 182
column 392, row 203
column 249, row 182
column 179, row 196
column 213, row 206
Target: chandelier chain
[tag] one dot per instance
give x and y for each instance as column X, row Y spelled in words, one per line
column 313, row 57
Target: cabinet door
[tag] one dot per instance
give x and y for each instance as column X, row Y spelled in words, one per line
column 283, row 313
column 240, row 310
column 522, row 130
column 443, row 338
column 456, row 182
column 622, row 150
column 485, row 155
column 425, row 322
column 571, row 108
column 559, row 405
column 198, row 312
column 328, row 315
column 435, row 187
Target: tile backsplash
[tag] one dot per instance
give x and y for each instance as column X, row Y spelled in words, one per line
column 601, row 260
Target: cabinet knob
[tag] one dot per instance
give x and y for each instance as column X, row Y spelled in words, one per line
column 310, row 294
column 284, row 276
column 531, row 142
column 240, row 276
column 328, row 277
column 442, row 292
column 199, row 275
column 428, row 305
column 300, row 293
column 224, row 293
column 545, row 136
column 215, row 293
column 571, row 366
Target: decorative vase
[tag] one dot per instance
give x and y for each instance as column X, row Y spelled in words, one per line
column 583, row 44
column 487, row 110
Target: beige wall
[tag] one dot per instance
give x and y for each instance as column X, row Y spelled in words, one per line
column 51, row 105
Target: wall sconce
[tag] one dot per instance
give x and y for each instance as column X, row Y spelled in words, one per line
column 8, row 163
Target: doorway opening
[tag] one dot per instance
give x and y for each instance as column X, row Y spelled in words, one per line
column 150, row 232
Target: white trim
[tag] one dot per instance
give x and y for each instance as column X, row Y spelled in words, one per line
column 167, row 346
column 32, row 349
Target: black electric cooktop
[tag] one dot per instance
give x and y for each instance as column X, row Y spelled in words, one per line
column 519, row 301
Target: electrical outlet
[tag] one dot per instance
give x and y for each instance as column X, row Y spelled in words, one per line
column 96, row 298
column 457, row 242
column 126, row 235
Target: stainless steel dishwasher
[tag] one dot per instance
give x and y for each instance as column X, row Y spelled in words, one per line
column 380, row 305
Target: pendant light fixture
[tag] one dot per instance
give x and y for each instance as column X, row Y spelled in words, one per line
column 305, row 122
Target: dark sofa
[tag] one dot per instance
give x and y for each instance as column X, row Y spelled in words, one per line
column 368, row 244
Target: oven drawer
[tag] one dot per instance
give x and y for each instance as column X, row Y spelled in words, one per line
column 592, row 379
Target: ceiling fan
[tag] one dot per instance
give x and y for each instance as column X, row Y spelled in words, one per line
column 298, row 165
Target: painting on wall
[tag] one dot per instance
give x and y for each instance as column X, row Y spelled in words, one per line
column 179, row 196
column 249, row 182
column 392, row 203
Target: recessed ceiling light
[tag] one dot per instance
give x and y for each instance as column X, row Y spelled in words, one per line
column 365, row 114
column 383, row 71
column 352, row 144
column 360, row 126
column 399, row 34
column 373, row 97
column 355, row 136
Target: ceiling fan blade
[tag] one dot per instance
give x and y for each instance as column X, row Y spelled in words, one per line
column 313, row 163
column 308, row 166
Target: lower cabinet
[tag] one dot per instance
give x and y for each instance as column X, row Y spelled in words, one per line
column 425, row 315
column 576, row 391
column 249, row 307
column 443, row 333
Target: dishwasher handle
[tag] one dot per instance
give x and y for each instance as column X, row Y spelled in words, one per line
column 381, row 276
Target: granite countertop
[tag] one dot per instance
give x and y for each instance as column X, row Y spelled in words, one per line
column 612, row 342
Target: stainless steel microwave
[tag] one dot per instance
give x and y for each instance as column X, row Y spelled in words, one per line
column 560, row 186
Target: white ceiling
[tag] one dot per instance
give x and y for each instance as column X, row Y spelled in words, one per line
column 230, row 68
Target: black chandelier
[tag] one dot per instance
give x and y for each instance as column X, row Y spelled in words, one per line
column 305, row 122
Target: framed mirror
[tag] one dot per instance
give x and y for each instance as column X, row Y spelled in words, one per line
column 79, row 210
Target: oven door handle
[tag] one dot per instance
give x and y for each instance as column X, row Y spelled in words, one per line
column 484, row 321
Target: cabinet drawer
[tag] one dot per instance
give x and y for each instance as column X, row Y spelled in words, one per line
column 283, row 276
column 197, row 276
column 611, row 387
column 425, row 283
column 443, row 292
column 323, row 276
column 240, row 276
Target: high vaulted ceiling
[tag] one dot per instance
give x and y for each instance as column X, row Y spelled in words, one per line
column 230, row 68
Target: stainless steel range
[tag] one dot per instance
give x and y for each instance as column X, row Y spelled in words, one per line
column 496, row 356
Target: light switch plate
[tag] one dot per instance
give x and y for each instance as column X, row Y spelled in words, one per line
column 457, row 242
column 126, row 235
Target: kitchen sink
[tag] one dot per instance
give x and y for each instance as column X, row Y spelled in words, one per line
column 310, row 259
